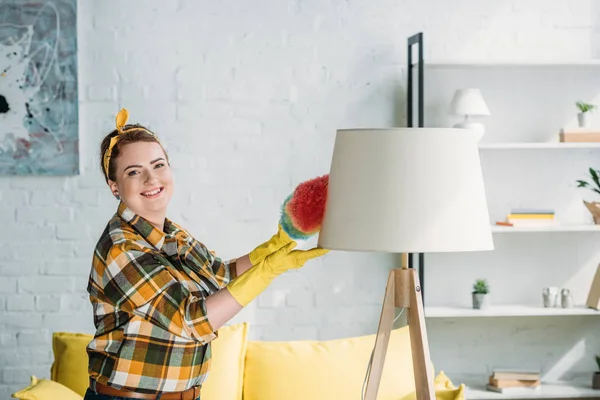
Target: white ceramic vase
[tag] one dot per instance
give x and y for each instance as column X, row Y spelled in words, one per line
column 582, row 118
column 550, row 296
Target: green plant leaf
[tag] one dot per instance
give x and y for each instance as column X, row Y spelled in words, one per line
column 585, row 107
column 594, row 175
column 582, row 183
column 480, row 286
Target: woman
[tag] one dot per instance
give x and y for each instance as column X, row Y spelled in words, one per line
column 159, row 296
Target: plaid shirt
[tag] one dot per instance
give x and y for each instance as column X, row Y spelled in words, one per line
column 148, row 291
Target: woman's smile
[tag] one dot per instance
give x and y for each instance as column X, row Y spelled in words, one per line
column 153, row 193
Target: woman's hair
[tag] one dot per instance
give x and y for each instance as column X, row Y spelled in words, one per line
column 132, row 134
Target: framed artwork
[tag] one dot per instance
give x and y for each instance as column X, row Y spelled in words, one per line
column 38, row 88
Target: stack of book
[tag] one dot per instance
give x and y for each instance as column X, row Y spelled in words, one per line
column 524, row 217
column 514, row 381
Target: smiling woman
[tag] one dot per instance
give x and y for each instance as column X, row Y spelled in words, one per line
column 158, row 295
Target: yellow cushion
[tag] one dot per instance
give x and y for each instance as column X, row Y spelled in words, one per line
column 224, row 381
column 70, row 366
column 445, row 389
column 45, row 389
column 335, row 369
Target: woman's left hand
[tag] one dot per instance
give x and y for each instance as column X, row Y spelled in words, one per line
column 276, row 242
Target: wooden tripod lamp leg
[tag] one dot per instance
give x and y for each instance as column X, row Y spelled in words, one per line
column 403, row 290
column 381, row 339
column 418, row 341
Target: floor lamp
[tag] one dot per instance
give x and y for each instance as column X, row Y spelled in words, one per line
column 405, row 190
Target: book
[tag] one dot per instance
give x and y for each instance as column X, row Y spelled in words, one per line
column 574, row 135
column 516, row 374
column 532, row 222
column 506, row 383
column 512, row 390
column 531, row 216
column 531, row 211
column 587, row 131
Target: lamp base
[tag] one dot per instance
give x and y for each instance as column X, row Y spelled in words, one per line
column 475, row 126
column 403, row 290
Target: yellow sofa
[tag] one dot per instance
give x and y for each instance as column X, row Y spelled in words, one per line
column 260, row 370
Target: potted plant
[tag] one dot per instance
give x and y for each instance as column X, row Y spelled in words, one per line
column 596, row 380
column 481, row 294
column 584, row 109
column 594, row 206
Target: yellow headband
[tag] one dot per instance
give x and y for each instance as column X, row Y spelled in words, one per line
column 121, row 121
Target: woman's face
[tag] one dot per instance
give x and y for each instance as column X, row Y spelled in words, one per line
column 143, row 179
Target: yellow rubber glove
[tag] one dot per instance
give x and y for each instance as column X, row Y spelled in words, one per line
column 254, row 281
column 276, row 242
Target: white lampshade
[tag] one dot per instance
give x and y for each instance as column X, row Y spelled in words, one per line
column 406, row 190
column 468, row 102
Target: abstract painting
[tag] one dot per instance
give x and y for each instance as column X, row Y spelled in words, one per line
column 38, row 88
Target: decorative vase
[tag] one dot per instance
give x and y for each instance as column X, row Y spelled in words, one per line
column 596, row 381
column 582, row 119
column 481, row 301
column 566, row 298
column 550, row 296
column 594, row 208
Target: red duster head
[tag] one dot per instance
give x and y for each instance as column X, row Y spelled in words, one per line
column 302, row 212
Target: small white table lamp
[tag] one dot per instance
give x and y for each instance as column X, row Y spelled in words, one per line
column 405, row 190
column 469, row 103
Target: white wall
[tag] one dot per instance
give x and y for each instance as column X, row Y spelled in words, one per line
column 247, row 97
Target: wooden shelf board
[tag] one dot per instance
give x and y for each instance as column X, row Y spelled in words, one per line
column 559, row 390
column 540, row 145
column 555, row 228
column 507, row 311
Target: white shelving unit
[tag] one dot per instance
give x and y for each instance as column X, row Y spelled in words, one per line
column 540, row 229
column 508, row 64
column 507, row 311
column 558, row 390
column 524, row 161
column 538, row 146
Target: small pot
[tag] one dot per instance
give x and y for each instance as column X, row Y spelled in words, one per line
column 582, row 119
column 594, row 208
column 596, row 381
column 481, row 300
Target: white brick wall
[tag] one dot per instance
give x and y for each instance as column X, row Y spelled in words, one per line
column 247, row 97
